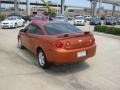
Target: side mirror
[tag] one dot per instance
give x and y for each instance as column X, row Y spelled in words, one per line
column 22, row 30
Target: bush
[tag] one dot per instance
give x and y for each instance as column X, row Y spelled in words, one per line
column 108, row 30
column 2, row 16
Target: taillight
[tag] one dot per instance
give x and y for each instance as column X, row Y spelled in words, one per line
column 67, row 44
column 59, row 44
column 92, row 40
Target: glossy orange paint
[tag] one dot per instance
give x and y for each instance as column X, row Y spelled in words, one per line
column 69, row 46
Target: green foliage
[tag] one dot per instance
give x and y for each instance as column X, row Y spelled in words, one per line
column 2, row 16
column 108, row 30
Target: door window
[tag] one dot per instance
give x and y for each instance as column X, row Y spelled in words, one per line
column 34, row 29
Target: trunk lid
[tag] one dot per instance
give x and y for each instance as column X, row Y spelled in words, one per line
column 76, row 41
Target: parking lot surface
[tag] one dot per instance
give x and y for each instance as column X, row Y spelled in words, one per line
column 19, row 69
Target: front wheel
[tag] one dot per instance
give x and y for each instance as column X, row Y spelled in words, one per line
column 20, row 44
column 42, row 59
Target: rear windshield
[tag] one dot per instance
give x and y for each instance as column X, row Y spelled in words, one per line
column 61, row 28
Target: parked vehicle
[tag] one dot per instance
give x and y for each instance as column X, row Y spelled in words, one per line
column 60, row 18
column 79, row 20
column 12, row 22
column 95, row 21
column 26, row 18
column 102, row 18
column 87, row 17
column 110, row 21
column 118, row 20
column 40, row 17
column 69, row 18
column 57, row 42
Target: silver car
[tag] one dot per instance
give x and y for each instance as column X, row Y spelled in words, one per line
column 79, row 20
column 60, row 18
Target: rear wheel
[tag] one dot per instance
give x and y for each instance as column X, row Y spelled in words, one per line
column 42, row 59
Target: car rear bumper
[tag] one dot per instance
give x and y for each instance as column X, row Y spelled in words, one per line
column 70, row 56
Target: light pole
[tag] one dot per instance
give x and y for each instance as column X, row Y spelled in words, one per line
column 0, row 4
column 58, row 6
column 16, row 6
column 28, row 7
column 62, row 6
column 100, row 2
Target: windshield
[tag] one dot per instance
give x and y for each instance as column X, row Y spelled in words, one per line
column 79, row 17
column 11, row 18
column 95, row 18
column 59, row 17
column 61, row 28
column 110, row 18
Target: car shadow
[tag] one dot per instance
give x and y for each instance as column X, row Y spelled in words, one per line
column 55, row 69
column 68, row 68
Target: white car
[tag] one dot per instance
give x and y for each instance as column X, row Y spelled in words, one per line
column 79, row 20
column 12, row 22
column 88, row 17
column 60, row 18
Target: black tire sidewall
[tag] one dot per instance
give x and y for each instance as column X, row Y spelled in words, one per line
column 45, row 60
column 21, row 47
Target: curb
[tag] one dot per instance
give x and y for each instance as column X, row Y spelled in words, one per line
column 107, row 35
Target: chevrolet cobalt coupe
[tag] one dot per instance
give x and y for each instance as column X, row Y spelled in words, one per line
column 56, row 42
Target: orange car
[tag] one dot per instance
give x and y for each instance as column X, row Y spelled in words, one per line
column 56, row 42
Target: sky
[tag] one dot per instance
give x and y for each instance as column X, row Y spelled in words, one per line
column 81, row 3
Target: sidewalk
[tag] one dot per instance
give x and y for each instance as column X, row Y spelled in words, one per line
column 107, row 35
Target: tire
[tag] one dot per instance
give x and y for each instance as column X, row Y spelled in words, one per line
column 20, row 44
column 42, row 60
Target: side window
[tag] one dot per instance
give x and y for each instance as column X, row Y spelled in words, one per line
column 29, row 29
column 34, row 29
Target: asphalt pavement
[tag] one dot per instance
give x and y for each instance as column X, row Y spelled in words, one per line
column 19, row 69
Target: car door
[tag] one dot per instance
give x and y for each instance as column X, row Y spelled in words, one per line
column 36, row 37
column 26, row 36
